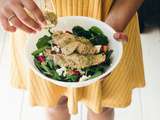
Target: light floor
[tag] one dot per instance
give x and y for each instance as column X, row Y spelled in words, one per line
column 146, row 102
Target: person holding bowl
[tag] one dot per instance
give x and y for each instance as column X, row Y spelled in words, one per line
column 101, row 97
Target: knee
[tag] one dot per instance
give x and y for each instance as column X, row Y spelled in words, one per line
column 105, row 110
column 59, row 112
column 106, row 114
column 60, row 107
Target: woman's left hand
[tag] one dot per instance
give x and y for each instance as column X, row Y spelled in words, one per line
column 120, row 36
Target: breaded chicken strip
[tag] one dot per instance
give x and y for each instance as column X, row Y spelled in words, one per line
column 70, row 43
column 76, row 60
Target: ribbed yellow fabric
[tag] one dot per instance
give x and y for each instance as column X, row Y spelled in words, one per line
column 114, row 91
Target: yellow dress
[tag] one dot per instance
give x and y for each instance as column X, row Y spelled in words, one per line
column 114, row 91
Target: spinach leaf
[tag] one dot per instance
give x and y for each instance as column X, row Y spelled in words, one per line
column 50, row 63
column 95, row 30
column 98, row 73
column 79, row 31
column 94, row 69
column 108, row 57
column 89, row 71
column 43, row 41
column 72, row 78
column 38, row 65
column 99, row 40
column 100, row 67
column 55, row 75
column 38, row 51
column 94, row 34
column 46, row 70
column 108, row 53
column 52, row 73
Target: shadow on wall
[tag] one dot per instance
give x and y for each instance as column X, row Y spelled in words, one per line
column 149, row 14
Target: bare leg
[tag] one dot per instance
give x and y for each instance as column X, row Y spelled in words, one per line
column 107, row 114
column 60, row 112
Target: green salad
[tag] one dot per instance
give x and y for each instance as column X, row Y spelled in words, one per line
column 73, row 56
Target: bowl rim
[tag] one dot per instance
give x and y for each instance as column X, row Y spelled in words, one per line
column 81, row 83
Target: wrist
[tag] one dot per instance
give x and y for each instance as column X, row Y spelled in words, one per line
column 115, row 23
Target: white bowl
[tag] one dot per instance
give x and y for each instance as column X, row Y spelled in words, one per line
column 67, row 23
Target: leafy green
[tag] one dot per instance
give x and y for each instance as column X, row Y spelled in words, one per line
column 51, row 73
column 72, row 78
column 79, row 31
column 42, row 44
column 94, row 69
column 50, row 63
column 99, row 40
column 45, row 69
column 95, row 30
column 98, row 73
column 38, row 65
column 38, row 51
column 43, row 41
column 94, row 34
column 97, row 70
column 108, row 57
column 55, row 75
column 89, row 71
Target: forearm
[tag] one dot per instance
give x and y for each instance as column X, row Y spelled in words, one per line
column 121, row 13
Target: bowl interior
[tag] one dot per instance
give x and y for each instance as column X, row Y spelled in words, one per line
column 67, row 23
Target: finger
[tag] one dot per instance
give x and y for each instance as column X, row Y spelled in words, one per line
column 31, row 6
column 17, row 23
column 24, row 17
column 121, row 36
column 5, row 24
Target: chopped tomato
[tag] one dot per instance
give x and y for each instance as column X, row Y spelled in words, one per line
column 73, row 72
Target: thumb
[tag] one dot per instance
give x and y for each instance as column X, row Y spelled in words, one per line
column 121, row 36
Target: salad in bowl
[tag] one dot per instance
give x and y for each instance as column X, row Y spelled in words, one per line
column 73, row 56
column 77, row 52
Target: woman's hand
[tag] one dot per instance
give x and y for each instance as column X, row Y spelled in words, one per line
column 13, row 15
column 120, row 36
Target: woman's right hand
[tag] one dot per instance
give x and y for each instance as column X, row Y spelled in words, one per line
column 13, row 15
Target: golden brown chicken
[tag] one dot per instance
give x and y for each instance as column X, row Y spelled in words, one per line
column 76, row 52
column 76, row 60
column 70, row 43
